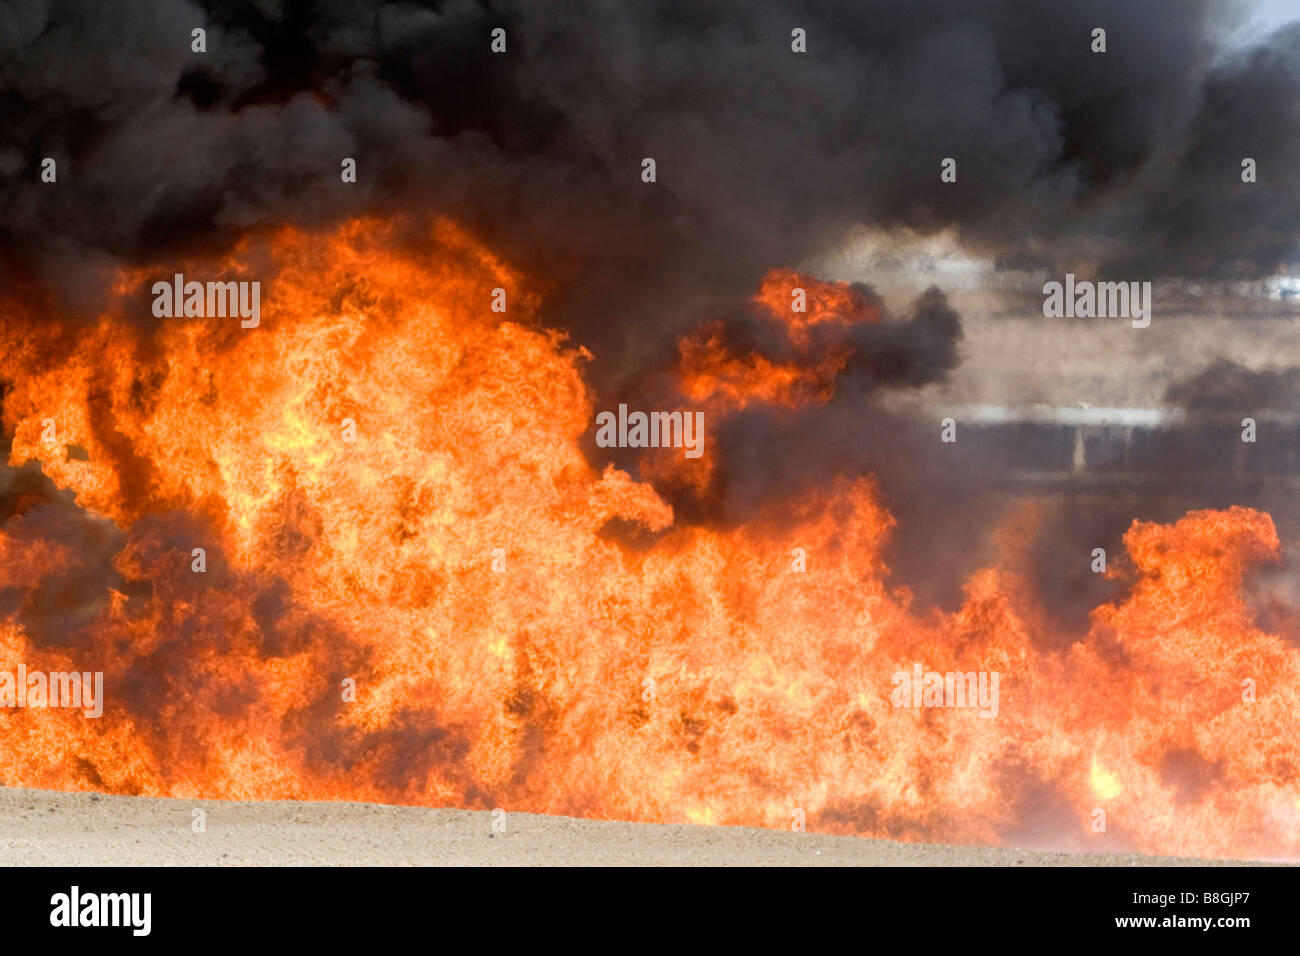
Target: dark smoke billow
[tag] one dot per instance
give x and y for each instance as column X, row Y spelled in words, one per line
column 1227, row 388
column 765, row 155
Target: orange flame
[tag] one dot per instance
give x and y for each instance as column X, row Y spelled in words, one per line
column 450, row 560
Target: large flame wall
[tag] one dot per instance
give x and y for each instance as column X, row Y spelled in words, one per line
column 697, row 677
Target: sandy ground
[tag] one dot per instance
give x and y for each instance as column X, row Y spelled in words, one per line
column 42, row 828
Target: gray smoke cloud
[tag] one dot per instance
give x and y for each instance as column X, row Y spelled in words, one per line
column 1227, row 387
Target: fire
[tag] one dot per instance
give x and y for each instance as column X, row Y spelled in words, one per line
column 724, row 377
column 1104, row 784
column 712, row 373
column 452, row 560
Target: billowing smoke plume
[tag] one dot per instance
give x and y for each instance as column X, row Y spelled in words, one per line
column 763, row 155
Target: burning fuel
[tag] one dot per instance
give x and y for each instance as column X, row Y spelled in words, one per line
column 452, row 561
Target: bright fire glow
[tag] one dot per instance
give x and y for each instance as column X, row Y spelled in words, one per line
column 698, row 679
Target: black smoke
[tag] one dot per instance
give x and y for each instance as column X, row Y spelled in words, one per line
column 764, row 155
